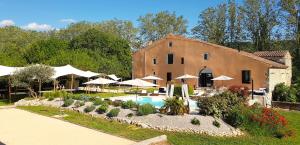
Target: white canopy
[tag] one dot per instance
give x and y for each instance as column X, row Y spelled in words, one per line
column 4, row 70
column 186, row 76
column 114, row 77
column 151, row 78
column 68, row 70
column 222, row 78
column 100, row 81
column 89, row 74
column 138, row 83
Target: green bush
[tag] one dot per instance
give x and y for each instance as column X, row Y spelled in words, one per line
column 89, row 109
column 174, row 105
column 51, row 98
column 117, row 103
column 177, row 90
column 218, row 105
column 284, row 93
column 78, row 104
column 55, row 94
column 128, row 104
column 113, row 112
column 129, row 115
column 216, row 123
column 146, row 109
column 103, row 108
column 236, row 117
column 98, row 101
column 195, row 121
column 68, row 102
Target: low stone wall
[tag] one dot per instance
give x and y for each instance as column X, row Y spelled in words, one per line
column 286, row 105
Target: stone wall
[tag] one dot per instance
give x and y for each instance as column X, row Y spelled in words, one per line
column 286, row 105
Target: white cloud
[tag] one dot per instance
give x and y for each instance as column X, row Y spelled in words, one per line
column 67, row 21
column 38, row 27
column 5, row 23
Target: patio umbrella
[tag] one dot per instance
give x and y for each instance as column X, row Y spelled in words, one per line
column 113, row 77
column 137, row 83
column 186, row 76
column 100, row 81
column 222, row 78
column 151, row 78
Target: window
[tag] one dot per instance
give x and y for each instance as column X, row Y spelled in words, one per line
column 182, row 60
column 205, row 57
column 153, row 73
column 246, row 76
column 169, row 76
column 170, row 44
column 154, row 60
column 170, row 58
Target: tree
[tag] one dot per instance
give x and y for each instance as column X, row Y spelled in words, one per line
column 260, row 20
column 26, row 77
column 156, row 26
column 41, row 51
column 211, row 26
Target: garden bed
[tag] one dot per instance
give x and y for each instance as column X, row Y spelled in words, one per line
column 180, row 123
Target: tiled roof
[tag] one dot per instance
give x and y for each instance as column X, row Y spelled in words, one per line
column 250, row 55
column 278, row 53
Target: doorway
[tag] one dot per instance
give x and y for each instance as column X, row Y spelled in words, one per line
column 205, row 77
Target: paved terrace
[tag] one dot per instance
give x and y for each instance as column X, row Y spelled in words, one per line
column 19, row 127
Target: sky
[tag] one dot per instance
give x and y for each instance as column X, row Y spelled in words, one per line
column 43, row 15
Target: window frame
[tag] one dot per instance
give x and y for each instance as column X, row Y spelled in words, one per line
column 182, row 60
column 170, row 62
column 206, row 56
column 245, row 79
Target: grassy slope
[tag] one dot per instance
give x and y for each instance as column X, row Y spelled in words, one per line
column 137, row 134
column 4, row 103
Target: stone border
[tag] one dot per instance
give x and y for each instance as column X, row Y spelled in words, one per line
column 155, row 140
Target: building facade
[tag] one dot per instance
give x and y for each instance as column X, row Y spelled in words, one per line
column 176, row 55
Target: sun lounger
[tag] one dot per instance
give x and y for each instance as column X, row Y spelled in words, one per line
column 144, row 93
column 155, row 93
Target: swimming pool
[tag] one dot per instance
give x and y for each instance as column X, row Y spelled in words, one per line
column 156, row 101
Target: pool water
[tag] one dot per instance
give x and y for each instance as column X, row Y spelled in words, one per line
column 158, row 102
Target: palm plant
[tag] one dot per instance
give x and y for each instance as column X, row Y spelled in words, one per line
column 174, row 106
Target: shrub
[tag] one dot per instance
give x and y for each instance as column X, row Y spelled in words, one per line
column 241, row 91
column 128, row 104
column 236, row 117
column 146, row 109
column 98, row 101
column 103, row 108
column 89, row 109
column 68, row 102
column 195, row 121
column 51, row 98
column 78, row 104
column 177, row 90
column 282, row 92
column 174, row 105
column 129, row 115
column 117, row 103
column 55, row 94
column 113, row 112
column 216, row 123
column 218, row 105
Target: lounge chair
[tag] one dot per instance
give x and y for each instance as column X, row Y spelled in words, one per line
column 144, row 93
column 155, row 93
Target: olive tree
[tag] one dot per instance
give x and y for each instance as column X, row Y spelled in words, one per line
column 26, row 77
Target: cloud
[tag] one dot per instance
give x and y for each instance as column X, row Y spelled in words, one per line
column 38, row 27
column 67, row 21
column 5, row 23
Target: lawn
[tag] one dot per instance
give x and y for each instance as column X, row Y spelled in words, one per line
column 4, row 102
column 138, row 134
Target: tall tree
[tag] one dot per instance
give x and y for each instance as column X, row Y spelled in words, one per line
column 261, row 18
column 156, row 26
column 212, row 25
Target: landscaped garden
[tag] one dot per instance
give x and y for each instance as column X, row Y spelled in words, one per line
column 218, row 114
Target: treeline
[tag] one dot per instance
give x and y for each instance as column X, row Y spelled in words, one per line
column 251, row 25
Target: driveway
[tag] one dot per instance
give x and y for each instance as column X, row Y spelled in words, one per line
column 19, row 127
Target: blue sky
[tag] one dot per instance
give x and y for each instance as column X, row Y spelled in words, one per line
column 47, row 14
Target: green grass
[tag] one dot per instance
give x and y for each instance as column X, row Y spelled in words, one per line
column 5, row 103
column 138, row 134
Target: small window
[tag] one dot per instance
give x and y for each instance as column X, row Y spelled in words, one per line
column 154, row 60
column 170, row 58
column 205, row 57
column 170, row 44
column 246, row 76
column 182, row 60
column 153, row 73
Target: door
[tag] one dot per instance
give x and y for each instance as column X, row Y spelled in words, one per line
column 169, row 76
column 205, row 77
